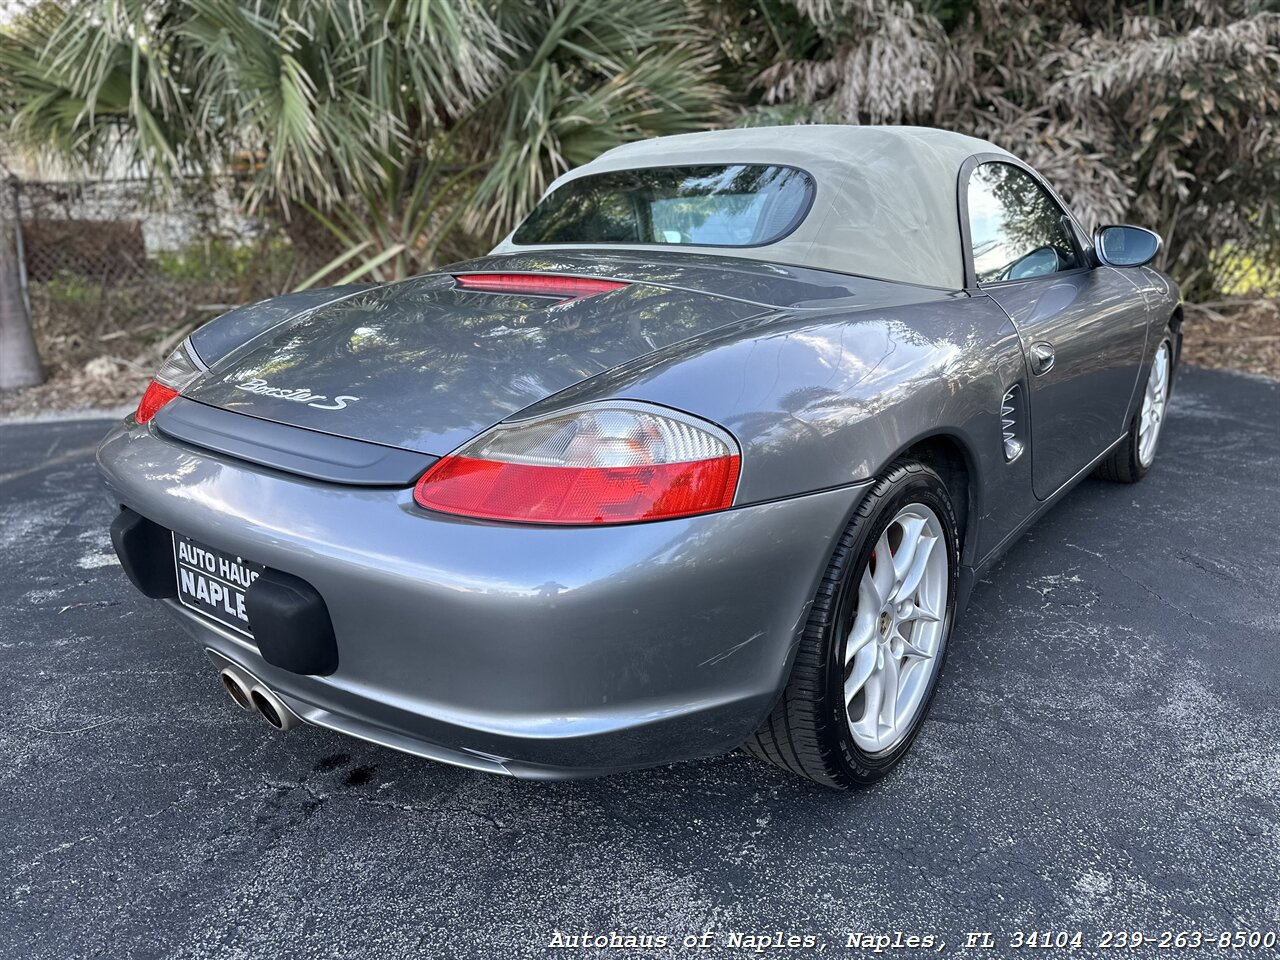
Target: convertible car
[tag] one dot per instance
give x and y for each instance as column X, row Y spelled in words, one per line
column 707, row 453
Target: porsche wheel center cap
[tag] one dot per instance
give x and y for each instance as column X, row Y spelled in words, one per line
column 886, row 623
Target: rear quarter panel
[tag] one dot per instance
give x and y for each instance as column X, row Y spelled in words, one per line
column 822, row 399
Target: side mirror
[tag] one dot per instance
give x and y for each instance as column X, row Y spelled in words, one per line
column 1118, row 246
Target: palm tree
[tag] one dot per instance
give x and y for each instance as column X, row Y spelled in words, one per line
column 19, row 361
column 381, row 118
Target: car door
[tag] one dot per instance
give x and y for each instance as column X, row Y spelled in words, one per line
column 1083, row 327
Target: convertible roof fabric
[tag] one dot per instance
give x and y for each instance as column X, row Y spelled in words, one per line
column 885, row 204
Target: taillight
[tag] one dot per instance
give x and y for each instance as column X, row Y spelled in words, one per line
column 538, row 284
column 175, row 374
column 612, row 463
column 155, row 397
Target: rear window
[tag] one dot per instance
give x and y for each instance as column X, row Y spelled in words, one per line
column 735, row 205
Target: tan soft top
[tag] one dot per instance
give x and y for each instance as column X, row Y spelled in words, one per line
column 885, row 203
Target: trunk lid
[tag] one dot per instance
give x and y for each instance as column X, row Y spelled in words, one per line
column 425, row 365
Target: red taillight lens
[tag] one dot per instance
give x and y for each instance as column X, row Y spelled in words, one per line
column 616, row 463
column 157, row 396
column 179, row 371
column 577, row 495
column 539, row 284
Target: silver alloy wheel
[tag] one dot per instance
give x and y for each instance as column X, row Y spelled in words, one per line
column 895, row 644
column 1154, row 401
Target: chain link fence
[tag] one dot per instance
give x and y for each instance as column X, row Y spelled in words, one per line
column 111, row 275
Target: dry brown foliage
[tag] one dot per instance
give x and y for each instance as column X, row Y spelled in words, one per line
column 1167, row 120
column 1241, row 334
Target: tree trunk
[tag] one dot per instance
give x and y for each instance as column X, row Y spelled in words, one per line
column 19, row 361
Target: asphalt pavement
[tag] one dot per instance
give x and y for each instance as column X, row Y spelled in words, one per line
column 1104, row 754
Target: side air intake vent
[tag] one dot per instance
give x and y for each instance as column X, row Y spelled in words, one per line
column 1011, row 421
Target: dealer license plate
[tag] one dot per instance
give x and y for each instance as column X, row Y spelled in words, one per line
column 213, row 582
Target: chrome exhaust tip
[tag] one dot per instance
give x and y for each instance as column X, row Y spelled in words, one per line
column 272, row 708
column 251, row 694
column 236, row 688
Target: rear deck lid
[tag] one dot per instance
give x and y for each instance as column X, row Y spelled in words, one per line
column 427, row 364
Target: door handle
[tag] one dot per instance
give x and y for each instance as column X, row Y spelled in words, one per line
column 1041, row 358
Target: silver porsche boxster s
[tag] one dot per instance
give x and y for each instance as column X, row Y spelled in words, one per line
column 707, row 453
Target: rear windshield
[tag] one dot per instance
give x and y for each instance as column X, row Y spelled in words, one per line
column 735, row 205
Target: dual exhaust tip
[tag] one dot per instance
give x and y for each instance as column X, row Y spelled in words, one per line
column 252, row 695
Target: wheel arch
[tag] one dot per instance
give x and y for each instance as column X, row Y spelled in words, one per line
column 949, row 455
column 1175, row 325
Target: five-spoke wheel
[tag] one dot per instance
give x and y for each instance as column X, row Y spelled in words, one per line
column 872, row 650
column 1134, row 455
column 1154, row 400
column 891, row 653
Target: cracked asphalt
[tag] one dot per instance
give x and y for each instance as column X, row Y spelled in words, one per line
column 1104, row 754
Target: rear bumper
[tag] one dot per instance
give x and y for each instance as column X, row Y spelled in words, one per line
column 534, row 651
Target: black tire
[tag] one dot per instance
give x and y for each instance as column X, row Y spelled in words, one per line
column 1122, row 465
column 808, row 731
